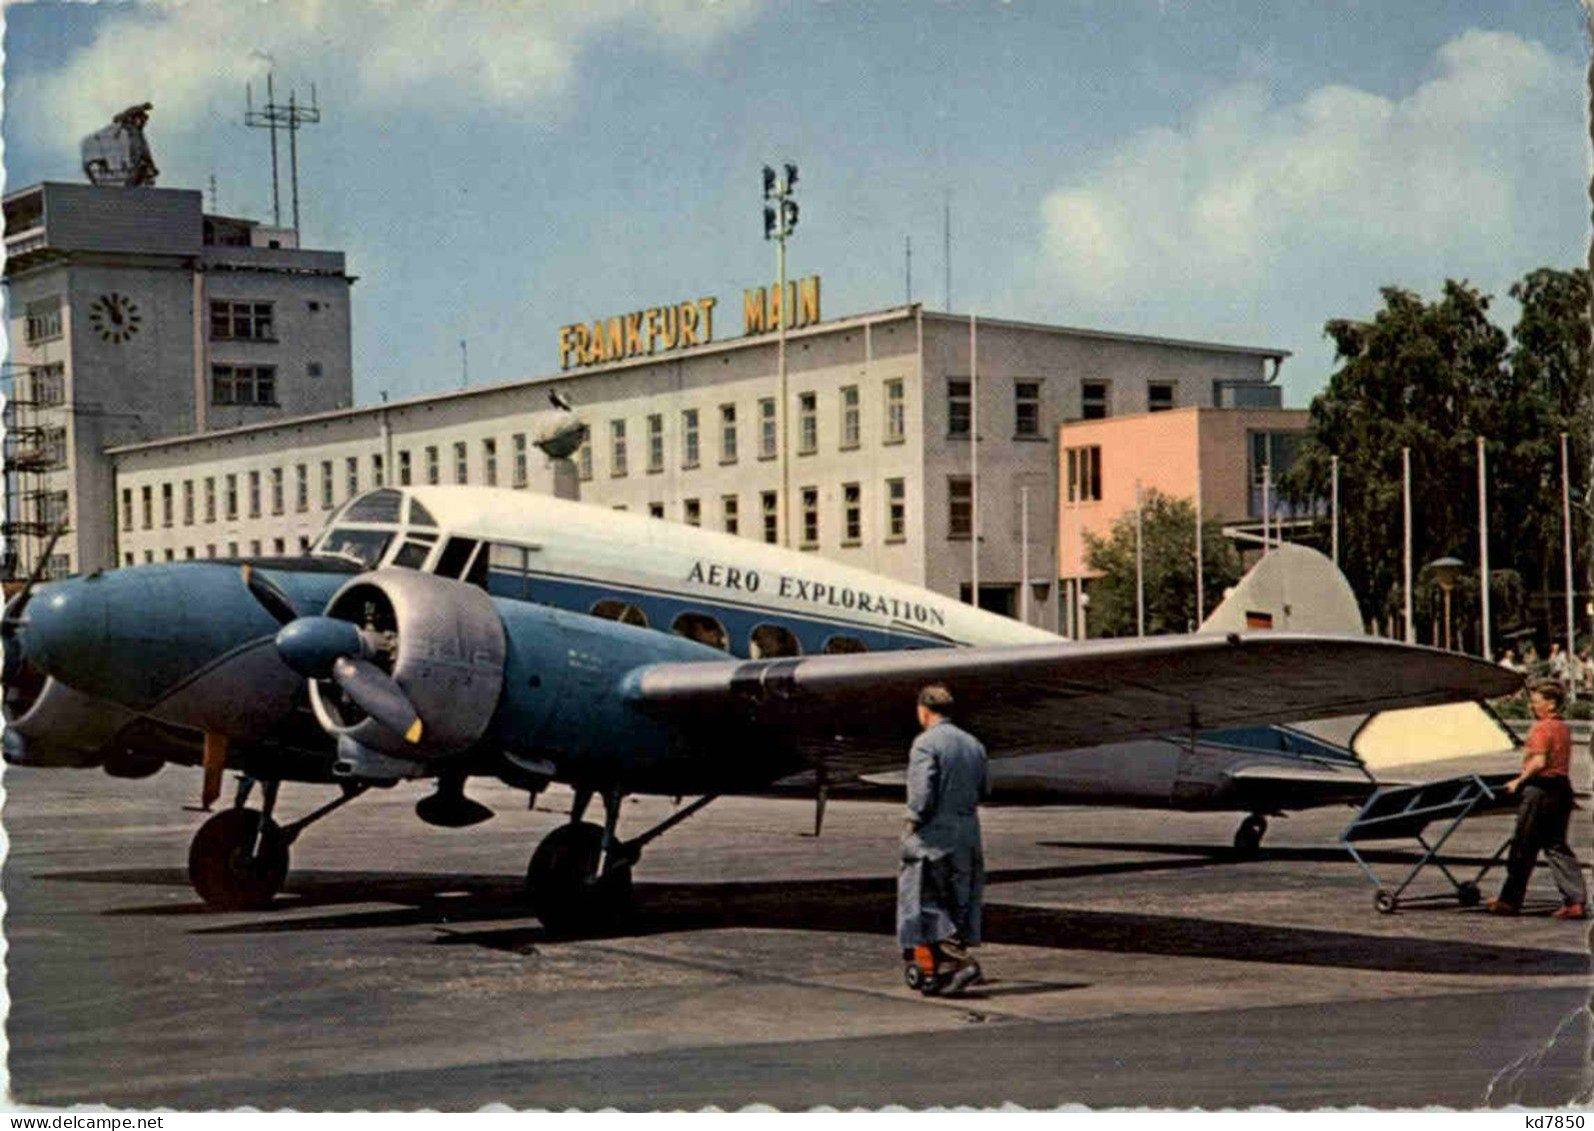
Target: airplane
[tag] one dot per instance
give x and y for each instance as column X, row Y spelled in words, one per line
column 513, row 638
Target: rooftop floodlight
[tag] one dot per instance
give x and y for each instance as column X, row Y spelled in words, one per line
column 791, row 176
column 769, row 182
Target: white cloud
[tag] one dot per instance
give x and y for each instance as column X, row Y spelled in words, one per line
column 1250, row 198
column 484, row 56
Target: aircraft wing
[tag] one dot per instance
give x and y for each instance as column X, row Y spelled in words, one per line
column 855, row 712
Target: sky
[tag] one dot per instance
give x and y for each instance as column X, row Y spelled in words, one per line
column 1224, row 170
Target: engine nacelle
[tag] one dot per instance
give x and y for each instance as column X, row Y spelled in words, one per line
column 445, row 648
column 51, row 724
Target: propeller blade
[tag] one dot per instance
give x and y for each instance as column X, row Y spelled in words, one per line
column 376, row 693
column 271, row 598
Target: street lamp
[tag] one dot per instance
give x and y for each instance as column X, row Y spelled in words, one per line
column 1446, row 571
column 780, row 220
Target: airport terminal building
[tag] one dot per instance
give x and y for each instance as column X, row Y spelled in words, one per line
column 182, row 389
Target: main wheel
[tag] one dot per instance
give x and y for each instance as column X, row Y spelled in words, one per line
column 566, row 892
column 226, row 873
column 1248, row 837
column 1468, row 895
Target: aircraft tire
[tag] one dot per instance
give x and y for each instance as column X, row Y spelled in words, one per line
column 225, row 877
column 565, row 890
column 1248, row 837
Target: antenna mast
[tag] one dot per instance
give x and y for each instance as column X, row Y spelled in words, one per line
column 289, row 116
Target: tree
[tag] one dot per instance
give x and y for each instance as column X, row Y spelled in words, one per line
column 1168, row 535
column 1434, row 376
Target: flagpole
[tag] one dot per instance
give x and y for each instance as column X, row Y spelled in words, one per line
column 1405, row 468
column 1566, row 528
column 1483, row 546
column 974, row 464
column 1200, row 576
column 1140, row 567
column 1333, row 465
column 1023, row 565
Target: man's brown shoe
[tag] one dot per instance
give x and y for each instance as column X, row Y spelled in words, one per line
column 1501, row 907
column 1570, row 911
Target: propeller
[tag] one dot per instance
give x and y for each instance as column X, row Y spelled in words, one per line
column 323, row 648
column 13, row 617
column 269, row 595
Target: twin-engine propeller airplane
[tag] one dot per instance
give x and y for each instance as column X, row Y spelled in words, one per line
column 513, row 638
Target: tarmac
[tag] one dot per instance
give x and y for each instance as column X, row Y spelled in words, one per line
column 1132, row 961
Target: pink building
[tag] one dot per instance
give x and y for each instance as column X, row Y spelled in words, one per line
column 1224, row 450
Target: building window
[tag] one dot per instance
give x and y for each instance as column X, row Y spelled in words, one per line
column 210, row 499
column 169, row 553
column 432, row 474
column 958, row 406
column 254, row 548
column 896, row 510
column 54, row 444
column 807, row 424
column 351, row 476
column 44, row 319
column 461, row 462
column 188, row 502
column 254, row 494
column 851, row 514
column 276, row 491
column 301, row 496
column 404, row 469
column 243, row 384
column 692, row 509
column 127, row 508
column 896, row 412
column 49, row 384
column 1159, row 396
column 1083, row 474
column 960, row 506
column 378, row 471
column 1093, row 400
column 326, row 484
column 279, row 546
column 850, row 422
column 231, row 497
column 769, row 504
column 490, row 462
column 810, row 498
column 730, row 509
column 210, row 549
column 312, row 369
column 655, row 510
column 689, row 445
column 768, row 435
column 727, row 433
column 1027, row 409
column 655, row 443
column 584, row 460
column 520, row 459
column 241, row 321
column 166, row 504
column 304, row 543
column 617, row 455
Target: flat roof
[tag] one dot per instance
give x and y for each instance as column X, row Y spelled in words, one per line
column 709, row 349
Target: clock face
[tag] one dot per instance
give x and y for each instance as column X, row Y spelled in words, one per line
column 114, row 317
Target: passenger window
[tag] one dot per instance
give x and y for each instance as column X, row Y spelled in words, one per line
column 622, row 611
column 770, row 640
column 844, row 646
column 456, row 556
column 702, row 628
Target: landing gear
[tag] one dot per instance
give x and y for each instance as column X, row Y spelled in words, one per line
column 238, row 859
column 1248, row 837
column 579, row 879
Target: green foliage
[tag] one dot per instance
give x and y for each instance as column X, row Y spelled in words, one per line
column 1434, row 376
column 1168, row 531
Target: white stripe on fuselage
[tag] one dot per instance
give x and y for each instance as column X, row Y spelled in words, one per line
column 628, row 551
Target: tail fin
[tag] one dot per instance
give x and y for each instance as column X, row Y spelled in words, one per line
column 1292, row 588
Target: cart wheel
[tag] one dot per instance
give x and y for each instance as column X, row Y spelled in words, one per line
column 1384, row 901
column 1468, row 895
column 913, row 976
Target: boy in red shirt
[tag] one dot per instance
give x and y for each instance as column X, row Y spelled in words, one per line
column 1545, row 789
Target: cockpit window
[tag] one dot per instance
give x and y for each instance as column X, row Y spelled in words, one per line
column 412, row 555
column 363, row 546
column 383, row 505
column 419, row 515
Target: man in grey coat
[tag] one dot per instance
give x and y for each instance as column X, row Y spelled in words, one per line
column 942, row 877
